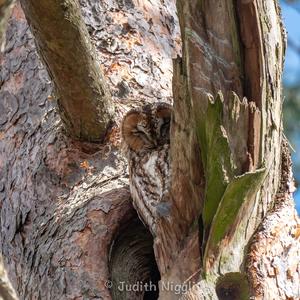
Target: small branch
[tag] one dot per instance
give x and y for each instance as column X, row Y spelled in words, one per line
column 5, row 10
column 64, row 45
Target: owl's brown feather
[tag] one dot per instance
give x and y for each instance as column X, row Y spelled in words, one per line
column 146, row 133
column 130, row 121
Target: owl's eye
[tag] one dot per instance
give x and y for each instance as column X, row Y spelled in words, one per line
column 140, row 129
column 137, row 132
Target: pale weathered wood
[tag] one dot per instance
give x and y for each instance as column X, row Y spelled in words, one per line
column 5, row 11
column 214, row 37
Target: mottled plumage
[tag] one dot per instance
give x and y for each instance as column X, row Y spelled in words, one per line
column 146, row 134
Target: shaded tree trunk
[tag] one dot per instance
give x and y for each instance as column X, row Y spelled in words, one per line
column 68, row 228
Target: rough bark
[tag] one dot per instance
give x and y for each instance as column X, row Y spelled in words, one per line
column 63, row 42
column 66, row 214
column 5, row 11
column 64, row 202
column 232, row 47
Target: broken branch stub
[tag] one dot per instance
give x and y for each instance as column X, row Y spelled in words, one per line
column 63, row 43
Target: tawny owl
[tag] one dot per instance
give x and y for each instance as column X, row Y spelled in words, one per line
column 146, row 133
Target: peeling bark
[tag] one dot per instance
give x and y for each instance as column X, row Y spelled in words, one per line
column 272, row 262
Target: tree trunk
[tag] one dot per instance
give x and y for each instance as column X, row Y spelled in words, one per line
column 236, row 49
column 68, row 228
column 64, row 202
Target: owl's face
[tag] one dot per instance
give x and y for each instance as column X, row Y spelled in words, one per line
column 147, row 127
